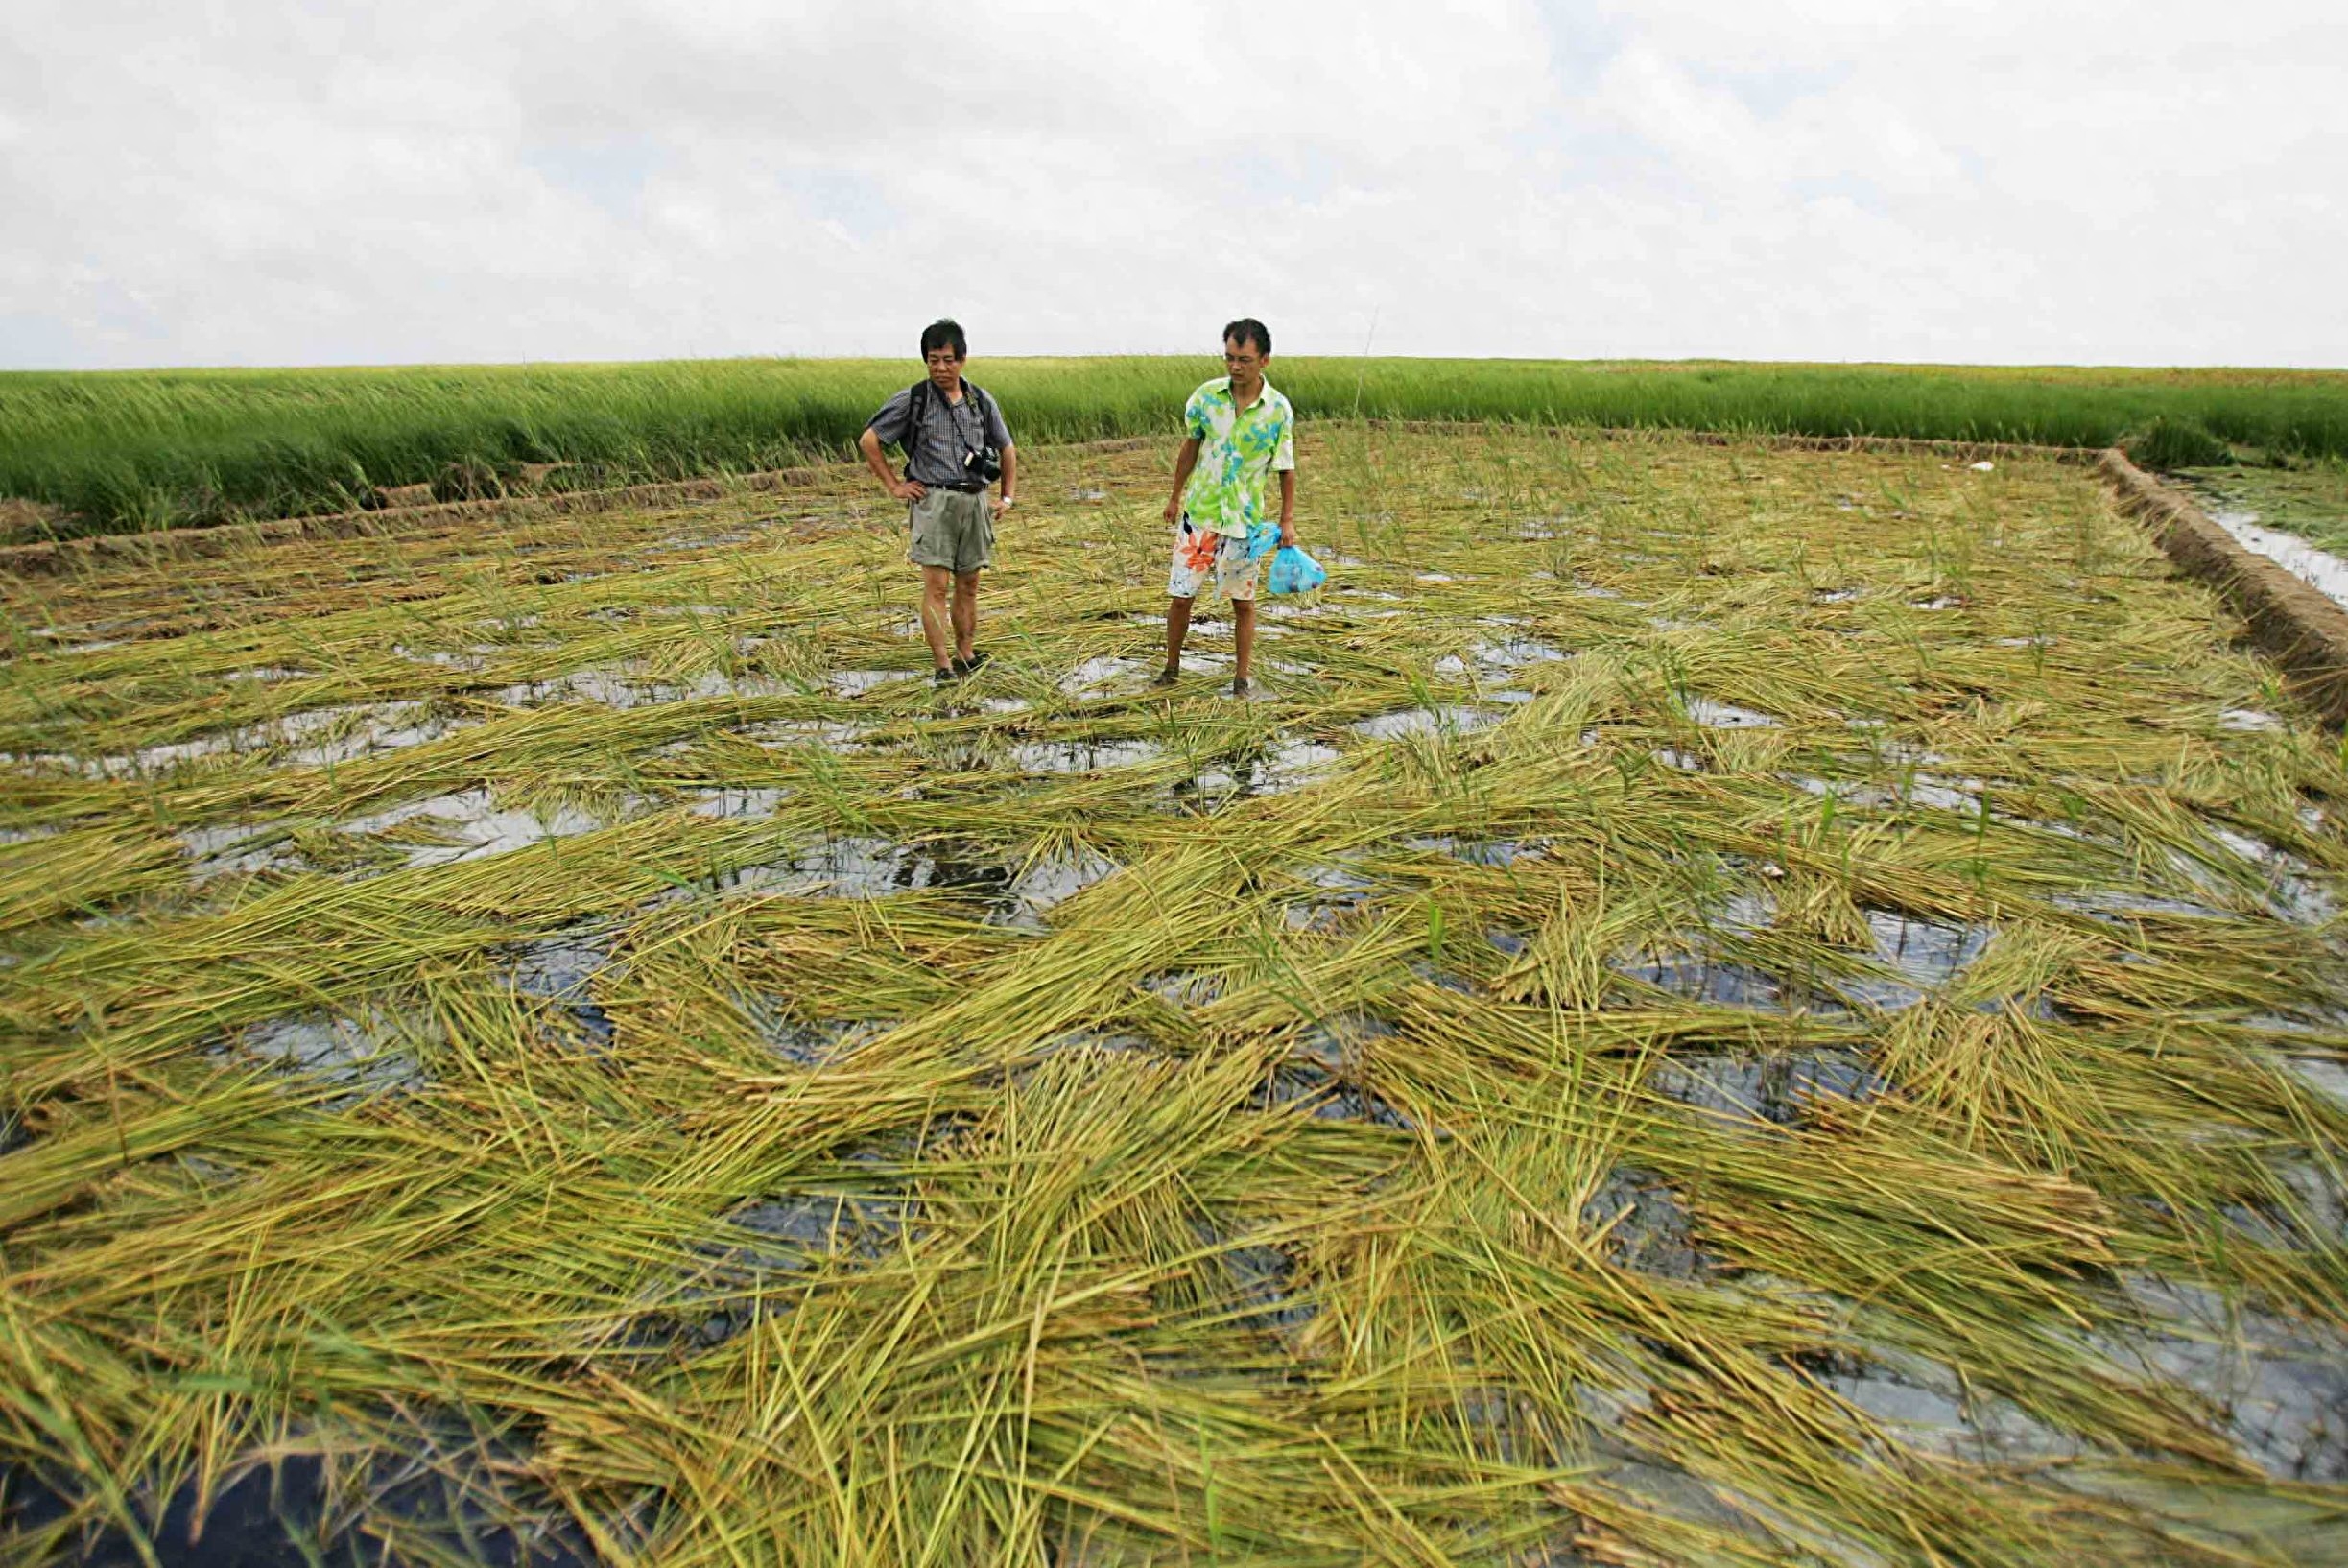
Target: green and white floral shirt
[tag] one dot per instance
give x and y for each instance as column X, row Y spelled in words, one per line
column 1237, row 450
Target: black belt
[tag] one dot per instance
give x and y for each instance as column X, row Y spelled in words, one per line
column 965, row 488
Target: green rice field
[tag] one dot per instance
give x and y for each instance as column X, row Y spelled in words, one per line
column 110, row 452
column 1718, row 1004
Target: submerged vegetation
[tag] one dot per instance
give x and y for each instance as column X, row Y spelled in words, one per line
column 1721, row 1006
column 113, row 451
column 2309, row 501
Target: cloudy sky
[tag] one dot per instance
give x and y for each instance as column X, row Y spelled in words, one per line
column 271, row 182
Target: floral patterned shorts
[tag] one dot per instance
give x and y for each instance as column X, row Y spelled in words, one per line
column 1198, row 552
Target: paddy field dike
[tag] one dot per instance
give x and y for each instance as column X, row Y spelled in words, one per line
column 1720, row 1003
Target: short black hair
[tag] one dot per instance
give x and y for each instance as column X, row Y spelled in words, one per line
column 946, row 332
column 1248, row 329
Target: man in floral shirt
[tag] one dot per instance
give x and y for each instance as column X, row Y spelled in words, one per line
column 1239, row 432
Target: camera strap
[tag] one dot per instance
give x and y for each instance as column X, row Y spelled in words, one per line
column 917, row 410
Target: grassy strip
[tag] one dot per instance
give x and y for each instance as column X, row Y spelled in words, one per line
column 126, row 451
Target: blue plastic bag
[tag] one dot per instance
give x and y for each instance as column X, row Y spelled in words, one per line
column 1292, row 571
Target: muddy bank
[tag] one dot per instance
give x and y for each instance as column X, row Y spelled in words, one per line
column 47, row 557
column 2293, row 623
column 55, row 556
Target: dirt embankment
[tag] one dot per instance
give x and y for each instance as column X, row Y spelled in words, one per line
column 21, row 516
column 51, row 556
column 2299, row 627
column 170, row 543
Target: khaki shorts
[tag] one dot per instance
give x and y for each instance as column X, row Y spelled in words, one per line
column 954, row 529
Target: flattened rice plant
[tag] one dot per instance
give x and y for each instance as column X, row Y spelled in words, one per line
column 1722, row 1005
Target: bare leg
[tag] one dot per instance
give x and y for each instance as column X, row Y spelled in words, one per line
column 936, row 622
column 1178, row 628
column 965, row 614
column 1243, row 633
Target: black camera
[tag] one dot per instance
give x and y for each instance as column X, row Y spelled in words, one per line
column 983, row 465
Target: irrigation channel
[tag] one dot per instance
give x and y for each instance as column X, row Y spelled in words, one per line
column 1720, row 1005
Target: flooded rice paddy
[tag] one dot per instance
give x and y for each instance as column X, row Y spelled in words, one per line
column 2317, row 567
column 1719, row 1005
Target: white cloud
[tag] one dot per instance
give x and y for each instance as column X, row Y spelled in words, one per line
column 268, row 181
